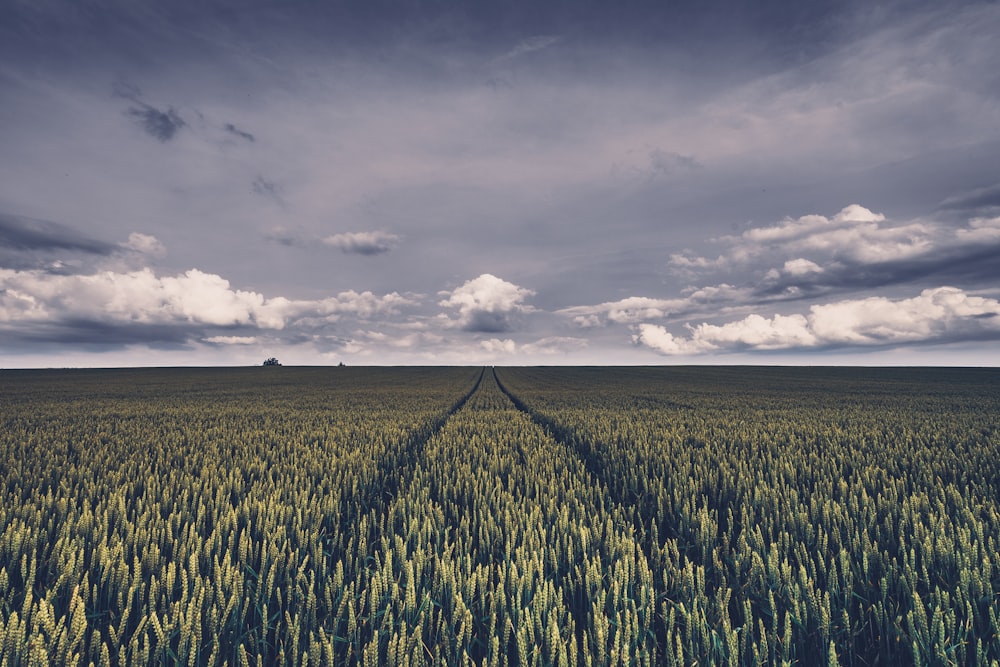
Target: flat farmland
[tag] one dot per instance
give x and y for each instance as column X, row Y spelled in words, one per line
column 500, row 516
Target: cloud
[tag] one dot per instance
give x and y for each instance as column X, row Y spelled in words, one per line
column 140, row 297
column 144, row 244
column 414, row 340
column 943, row 313
column 624, row 311
column 357, row 243
column 801, row 267
column 265, row 188
column 979, row 201
column 529, row 45
column 159, row 124
column 362, row 305
column 776, row 333
column 687, row 263
column 587, row 320
column 854, row 249
column 664, row 342
column 634, row 309
column 668, row 162
column 20, row 233
column 287, row 237
column 237, row 132
column 487, row 304
column 144, row 306
column 938, row 315
column 980, row 231
column 50, row 247
column 497, row 346
column 231, row 340
column 550, row 345
column 353, row 137
column 363, row 243
column 46, row 247
column 854, row 234
column 555, row 345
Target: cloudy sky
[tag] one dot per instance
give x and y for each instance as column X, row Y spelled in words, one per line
column 517, row 182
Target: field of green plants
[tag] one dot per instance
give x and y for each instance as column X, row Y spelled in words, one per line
column 508, row 516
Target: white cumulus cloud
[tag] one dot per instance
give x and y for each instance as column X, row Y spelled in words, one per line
column 664, row 342
column 624, row 311
column 192, row 301
column 854, row 235
column 981, row 230
column 487, row 303
column 776, row 333
column 801, row 267
column 231, row 340
column 145, row 244
column 635, row 309
column 941, row 313
column 138, row 297
column 937, row 315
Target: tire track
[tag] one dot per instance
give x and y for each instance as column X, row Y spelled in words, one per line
column 396, row 465
column 592, row 460
column 573, row 483
column 628, row 511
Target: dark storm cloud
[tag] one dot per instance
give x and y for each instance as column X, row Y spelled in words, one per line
column 982, row 201
column 970, row 266
column 288, row 238
column 363, row 243
column 157, row 123
column 232, row 129
column 266, row 188
column 126, row 90
column 486, row 322
column 19, row 233
column 105, row 334
column 41, row 245
column 367, row 244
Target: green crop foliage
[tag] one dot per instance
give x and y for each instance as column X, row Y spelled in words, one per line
column 529, row 516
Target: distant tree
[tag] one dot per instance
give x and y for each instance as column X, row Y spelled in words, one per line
column 271, row 362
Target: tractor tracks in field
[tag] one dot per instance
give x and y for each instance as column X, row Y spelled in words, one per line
column 626, row 509
column 395, row 467
column 566, row 437
column 593, row 462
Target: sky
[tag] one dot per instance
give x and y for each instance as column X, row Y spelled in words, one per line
column 215, row 182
